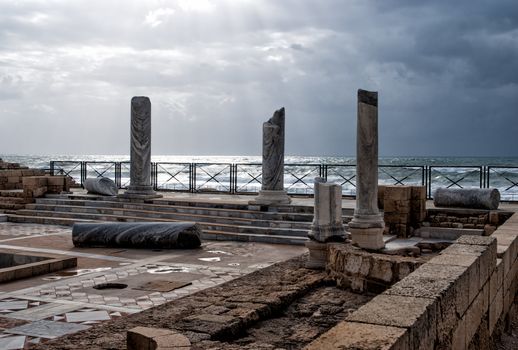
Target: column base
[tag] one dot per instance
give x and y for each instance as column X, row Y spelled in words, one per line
column 266, row 197
column 317, row 255
column 140, row 192
column 327, row 233
column 367, row 231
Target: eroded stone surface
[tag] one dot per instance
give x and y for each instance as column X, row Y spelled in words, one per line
column 272, row 184
column 140, row 153
column 367, row 225
column 475, row 198
column 101, row 185
column 183, row 235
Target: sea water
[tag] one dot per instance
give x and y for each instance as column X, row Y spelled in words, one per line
column 212, row 173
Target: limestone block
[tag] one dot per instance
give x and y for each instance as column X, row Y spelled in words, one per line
column 13, row 179
column 361, row 336
column 459, row 335
column 34, row 181
column 35, row 192
column 511, row 276
column 317, row 255
column 474, row 198
column 495, row 309
column 146, row 338
column 397, row 193
column 381, row 197
column 418, row 193
column 415, row 314
column 474, row 315
column 152, row 235
column 381, row 270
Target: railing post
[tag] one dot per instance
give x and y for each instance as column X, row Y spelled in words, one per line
column 52, row 168
column 117, row 174
column 429, row 182
column 82, row 171
column 193, row 176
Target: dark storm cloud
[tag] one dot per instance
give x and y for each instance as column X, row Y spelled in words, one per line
column 215, row 70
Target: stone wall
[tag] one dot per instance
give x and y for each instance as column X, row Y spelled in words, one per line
column 11, row 179
column 454, row 301
column 19, row 185
column 404, row 208
column 487, row 220
column 355, row 268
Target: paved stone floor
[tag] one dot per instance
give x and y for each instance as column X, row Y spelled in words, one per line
column 49, row 306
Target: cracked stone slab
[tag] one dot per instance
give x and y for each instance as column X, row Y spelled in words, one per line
column 47, row 329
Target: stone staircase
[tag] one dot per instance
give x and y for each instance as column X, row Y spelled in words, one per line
column 219, row 220
column 12, row 200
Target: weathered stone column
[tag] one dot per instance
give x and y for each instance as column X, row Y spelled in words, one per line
column 140, row 155
column 327, row 223
column 272, row 185
column 367, row 225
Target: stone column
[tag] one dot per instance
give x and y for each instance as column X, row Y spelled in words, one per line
column 272, row 185
column 367, row 225
column 140, row 155
column 327, row 223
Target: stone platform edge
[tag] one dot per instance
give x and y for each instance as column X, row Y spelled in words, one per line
column 457, row 300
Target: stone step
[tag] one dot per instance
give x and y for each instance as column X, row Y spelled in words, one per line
column 251, row 237
column 207, row 234
column 250, row 214
column 13, row 200
column 204, row 225
column 26, row 219
column 11, row 193
column 168, row 215
column 205, row 203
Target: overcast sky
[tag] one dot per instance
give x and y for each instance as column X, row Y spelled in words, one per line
column 215, row 70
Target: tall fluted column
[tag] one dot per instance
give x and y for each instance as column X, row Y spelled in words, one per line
column 272, row 185
column 140, row 154
column 367, row 225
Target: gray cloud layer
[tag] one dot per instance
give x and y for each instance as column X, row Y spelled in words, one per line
column 215, row 70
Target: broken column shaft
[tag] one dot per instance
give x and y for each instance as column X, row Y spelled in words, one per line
column 367, row 225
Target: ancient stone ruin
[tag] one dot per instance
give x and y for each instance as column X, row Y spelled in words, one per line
column 272, row 185
column 140, row 153
column 150, row 235
column 367, row 225
column 19, row 185
column 327, row 223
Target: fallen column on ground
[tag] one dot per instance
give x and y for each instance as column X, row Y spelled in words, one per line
column 272, row 184
column 151, row 235
column 101, row 185
column 473, row 198
column 367, row 225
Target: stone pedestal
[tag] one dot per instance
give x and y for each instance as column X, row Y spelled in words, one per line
column 317, row 255
column 271, row 198
column 272, row 185
column 140, row 154
column 367, row 225
column 327, row 223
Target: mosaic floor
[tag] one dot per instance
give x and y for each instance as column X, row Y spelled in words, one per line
column 111, row 283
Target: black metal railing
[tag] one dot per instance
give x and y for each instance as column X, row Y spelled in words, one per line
column 245, row 178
